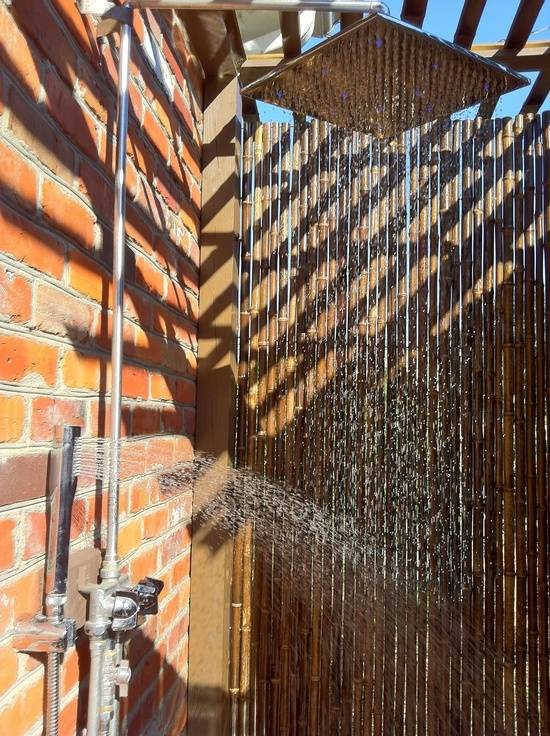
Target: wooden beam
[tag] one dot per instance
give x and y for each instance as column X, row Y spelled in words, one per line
column 290, row 30
column 215, row 39
column 414, row 12
column 348, row 19
column 534, row 56
column 211, row 555
column 469, row 22
column 538, row 93
column 522, row 24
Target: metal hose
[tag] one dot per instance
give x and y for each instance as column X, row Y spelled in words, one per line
column 52, row 695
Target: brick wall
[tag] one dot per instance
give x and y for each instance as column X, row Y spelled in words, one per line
column 57, row 110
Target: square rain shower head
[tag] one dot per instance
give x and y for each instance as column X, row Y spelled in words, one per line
column 381, row 76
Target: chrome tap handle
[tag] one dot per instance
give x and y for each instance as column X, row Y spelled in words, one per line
column 148, row 591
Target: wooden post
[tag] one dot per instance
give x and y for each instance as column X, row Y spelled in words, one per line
column 216, row 386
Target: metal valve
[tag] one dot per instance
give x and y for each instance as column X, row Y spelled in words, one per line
column 147, row 591
column 125, row 610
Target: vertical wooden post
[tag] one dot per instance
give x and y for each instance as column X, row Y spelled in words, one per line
column 216, row 386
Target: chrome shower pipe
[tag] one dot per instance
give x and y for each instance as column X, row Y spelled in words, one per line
column 333, row 6
column 110, row 569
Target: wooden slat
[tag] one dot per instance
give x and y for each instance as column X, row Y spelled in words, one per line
column 523, row 22
column 469, row 21
column 414, row 12
column 538, row 93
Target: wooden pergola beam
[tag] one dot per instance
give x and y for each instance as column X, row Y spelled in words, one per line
column 414, row 12
column 538, row 93
column 534, row 56
column 469, row 22
column 290, row 31
column 522, row 25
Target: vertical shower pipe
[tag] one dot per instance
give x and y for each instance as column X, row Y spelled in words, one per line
column 99, row 721
column 110, row 569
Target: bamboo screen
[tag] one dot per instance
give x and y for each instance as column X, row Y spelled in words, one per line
column 395, row 372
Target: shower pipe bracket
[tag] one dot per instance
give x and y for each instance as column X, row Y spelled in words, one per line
column 40, row 634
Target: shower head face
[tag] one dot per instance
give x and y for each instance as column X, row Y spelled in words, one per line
column 381, row 76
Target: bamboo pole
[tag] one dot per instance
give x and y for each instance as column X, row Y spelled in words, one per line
column 521, row 508
column 542, row 504
column 530, row 418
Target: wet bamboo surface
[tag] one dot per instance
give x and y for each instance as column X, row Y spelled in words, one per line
column 394, row 368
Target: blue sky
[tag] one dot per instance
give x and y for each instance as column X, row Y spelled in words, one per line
column 442, row 19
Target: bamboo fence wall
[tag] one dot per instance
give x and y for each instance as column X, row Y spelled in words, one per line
column 395, row 369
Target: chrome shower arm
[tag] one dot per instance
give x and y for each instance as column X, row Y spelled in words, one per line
column 99, row 7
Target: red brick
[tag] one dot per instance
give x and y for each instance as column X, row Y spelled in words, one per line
column 169, row 191
column 23, row 477
column 175, row 64
column 40, row 23
column 68, row 718
column 162, row 387
column 139, row 495
column 172, row 419
column 18, row 55
column 155, row 523
column 97, row 96
column 160, row 452
column 185, row 392
column 8, row 667
column 22, row 358
column 86, row 277
column 135, row 382
column 82, row 520
column 48, row 413
column 156, row 134
column 80, row 26
column 139, row 229
column 67, row 214
column 35, row 534
column 12, row 418
column 25, row 710
column 20, row 238
column 149, row 276
column 189, row 421
column 144, row 563
column 72, row 118
column 183, row 108
column 190, row 219
column 191, row 156
column 63, row 314
column 98, row 189
column 15, row 296
column 17, row 176
column 149, row 348
column 103, row 333
column 7, row 549
column 145, row 420
column 140, row 152
column 81, row 371
column 130, row 536
column 149, row 201
column 29, row 124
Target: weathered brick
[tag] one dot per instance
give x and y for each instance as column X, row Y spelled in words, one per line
column 135, row 382
column 149, row 276
column 81, row 371
column 155, row 523
column 67, row 214
column 72, row 118
column 7, row 548
column 20, row 238
column 80, row 26
column 185, row 391
column 162, row 387
column 88, row 278
column 50, row 412
column 23, row 477
column 28, row 123
column 145, row 420
column 35, row 534
column 63, row 314
column 139, row 495
column 182, row 107
column 172, row 419
column 38, row 20
column 17, row 54
column 17, row 177
column 25, row 709
column 23, row 359
column 97, row 188
column 156, row 134
column 144, row 563
column 12, row 418
column 147, row 347
column 8, row 667
column 16, row 296
column 130, row 536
